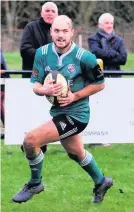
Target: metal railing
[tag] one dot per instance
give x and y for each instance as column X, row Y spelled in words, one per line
column 106, row 72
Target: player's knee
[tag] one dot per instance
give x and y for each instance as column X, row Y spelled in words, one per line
column 29, row 142
column 73, row 157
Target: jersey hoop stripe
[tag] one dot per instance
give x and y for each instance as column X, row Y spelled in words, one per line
column 80, row 53
column 45, row 49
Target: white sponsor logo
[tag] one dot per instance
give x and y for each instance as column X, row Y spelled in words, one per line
column 47, row 69
column 63, row 125
column 70, row 120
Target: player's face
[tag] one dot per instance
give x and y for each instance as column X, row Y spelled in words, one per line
column 49, row 13
column 62, row 34
column 107, row 25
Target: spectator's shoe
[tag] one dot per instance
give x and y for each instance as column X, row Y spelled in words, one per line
column 100, row 190
column 27, row 192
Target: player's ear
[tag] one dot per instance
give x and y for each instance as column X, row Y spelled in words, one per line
column 69, row 89
column 72, row 32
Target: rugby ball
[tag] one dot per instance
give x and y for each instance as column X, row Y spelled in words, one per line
column 59, row 78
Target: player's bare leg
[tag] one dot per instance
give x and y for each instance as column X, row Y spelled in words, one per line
column 32, row 143
column 74, row 147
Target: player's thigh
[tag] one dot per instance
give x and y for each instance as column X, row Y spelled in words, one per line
column 43, row 134
column 73, row 144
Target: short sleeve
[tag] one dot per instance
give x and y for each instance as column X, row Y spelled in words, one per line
column 38, row 73
column 91, row 69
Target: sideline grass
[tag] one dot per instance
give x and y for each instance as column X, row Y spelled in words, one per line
column 13, row 60
column 68, row 187
column 129, row 66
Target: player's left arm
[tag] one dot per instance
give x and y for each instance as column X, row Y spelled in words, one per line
column 88, row 91
column 93, row 74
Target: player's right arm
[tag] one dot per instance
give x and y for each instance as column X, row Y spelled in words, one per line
column 48, row 89
column 38, row 76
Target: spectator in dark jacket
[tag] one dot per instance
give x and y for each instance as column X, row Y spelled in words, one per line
column 35, row 35
column 2, row 91
column 106, row 45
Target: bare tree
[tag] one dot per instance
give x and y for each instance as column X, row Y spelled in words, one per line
column 8, row 15
column 86, row 11
column 15, row 15
column 85, row 14
column 17, row 12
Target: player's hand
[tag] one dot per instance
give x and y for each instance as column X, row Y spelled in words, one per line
column 64, row 101
column 52, row 89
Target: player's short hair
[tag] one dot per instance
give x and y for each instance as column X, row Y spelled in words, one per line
column 64, row 18
column 104, row 16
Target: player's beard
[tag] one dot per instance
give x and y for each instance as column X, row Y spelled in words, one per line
column 64, row 48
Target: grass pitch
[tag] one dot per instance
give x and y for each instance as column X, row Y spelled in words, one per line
column 68, row 187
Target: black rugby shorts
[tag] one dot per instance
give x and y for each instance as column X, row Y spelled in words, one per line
column 68, row 126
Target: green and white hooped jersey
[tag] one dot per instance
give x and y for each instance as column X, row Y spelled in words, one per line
column 78, row 66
